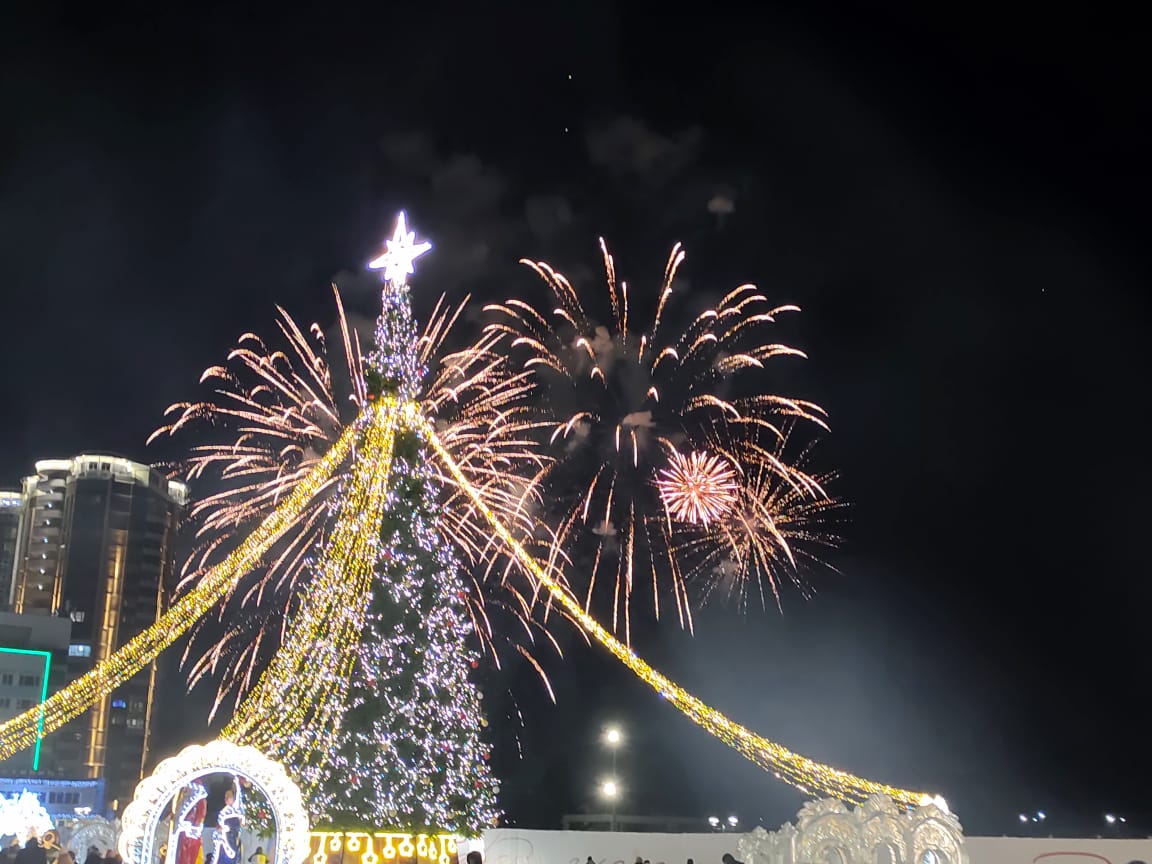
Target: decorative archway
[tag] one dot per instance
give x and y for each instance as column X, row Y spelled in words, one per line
column 154, row 793
column 92, row 831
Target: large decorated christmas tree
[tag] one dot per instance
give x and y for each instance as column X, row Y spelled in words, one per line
column 408, row 751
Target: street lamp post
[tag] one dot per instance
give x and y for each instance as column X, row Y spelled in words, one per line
column 613, row 737
column 611, row 791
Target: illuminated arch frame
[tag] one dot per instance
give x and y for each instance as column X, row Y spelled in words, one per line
column 155, row 792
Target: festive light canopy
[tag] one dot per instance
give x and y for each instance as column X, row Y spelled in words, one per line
column 299, row 703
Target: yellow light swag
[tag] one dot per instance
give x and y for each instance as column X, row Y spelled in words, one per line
column 295, row 706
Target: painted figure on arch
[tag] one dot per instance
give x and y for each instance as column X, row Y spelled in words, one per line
column 186, row 846
column 226, row 837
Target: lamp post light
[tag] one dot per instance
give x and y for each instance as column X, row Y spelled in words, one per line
column 613, row 737
column 610, row 789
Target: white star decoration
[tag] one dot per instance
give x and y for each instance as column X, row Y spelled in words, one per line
column 399, row 253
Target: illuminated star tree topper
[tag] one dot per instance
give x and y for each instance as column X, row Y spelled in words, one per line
column 399, row 253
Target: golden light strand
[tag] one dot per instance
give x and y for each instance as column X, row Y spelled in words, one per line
column 806, row 774
column 72, row 701
column 315, row 660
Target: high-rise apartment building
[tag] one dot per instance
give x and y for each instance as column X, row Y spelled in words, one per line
column 96, row 546
column 11, row 508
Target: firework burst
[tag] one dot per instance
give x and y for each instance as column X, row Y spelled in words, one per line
column 274, row 412
column 774, row 532
column 698, row 488
column 622, row 398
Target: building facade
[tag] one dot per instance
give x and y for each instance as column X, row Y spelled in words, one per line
column 62, row 799
column 96, row 547
column 11, row 509
column 33, row 664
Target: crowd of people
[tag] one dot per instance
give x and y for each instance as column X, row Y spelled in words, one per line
column 35, row 852
column 727, row 858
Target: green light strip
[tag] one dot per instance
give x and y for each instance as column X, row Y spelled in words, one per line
column 47, row 655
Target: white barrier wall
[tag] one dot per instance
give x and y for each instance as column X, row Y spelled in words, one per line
column 1026, row 850
column 511, row 846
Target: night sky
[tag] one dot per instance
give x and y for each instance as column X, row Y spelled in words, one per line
column 957, row 202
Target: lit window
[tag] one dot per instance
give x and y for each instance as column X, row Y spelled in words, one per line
column 79, row 650
column 119, row 703
column 77, row 616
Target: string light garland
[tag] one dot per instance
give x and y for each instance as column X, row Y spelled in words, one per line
column 807, row 775
column 297, row 700
column 23, row 730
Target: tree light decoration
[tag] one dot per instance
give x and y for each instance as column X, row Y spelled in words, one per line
column 381, row 722
column 698, row 488
column 154, row 795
